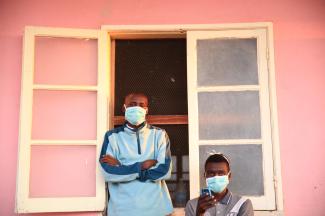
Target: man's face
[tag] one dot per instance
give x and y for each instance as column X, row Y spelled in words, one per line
column 136, row 100
column 216, row 169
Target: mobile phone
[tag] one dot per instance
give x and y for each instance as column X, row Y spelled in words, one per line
column 206, row 191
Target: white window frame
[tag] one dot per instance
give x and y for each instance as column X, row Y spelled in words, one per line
column 267, row 201
column 174, row 31
column 25, row 204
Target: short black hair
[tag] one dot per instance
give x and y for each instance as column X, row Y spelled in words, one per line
column 136, row 93
column 217, row 158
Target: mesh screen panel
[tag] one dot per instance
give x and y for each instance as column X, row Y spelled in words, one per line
column 158, row 69
column 155, row 67
column 178, row 135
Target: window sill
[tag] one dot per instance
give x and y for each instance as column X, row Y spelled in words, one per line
column 181, row 212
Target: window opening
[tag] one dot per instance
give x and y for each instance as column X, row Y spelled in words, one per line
column 157, row 67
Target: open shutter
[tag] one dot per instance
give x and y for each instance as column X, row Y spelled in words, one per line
column 229, row 110
column 63, row 118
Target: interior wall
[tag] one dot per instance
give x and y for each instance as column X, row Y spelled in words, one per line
column 299, row 37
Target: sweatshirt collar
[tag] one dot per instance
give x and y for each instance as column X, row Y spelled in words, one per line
column 139, row 129
column 226, row 199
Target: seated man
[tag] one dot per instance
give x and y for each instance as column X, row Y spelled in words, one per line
column 217, row 199
column 136, row 160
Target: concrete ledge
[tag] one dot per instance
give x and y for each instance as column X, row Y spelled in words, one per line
column 181, row 212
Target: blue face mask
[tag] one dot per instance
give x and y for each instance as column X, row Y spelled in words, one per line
column 135, row 115
column 217, row 183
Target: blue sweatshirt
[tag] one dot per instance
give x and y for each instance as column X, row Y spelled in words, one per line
column 132, row 191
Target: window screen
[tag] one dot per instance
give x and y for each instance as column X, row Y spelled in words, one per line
column 158, row 69
column 155, row 67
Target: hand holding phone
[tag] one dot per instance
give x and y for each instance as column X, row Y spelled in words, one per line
column 205, row 201
column 205, row 191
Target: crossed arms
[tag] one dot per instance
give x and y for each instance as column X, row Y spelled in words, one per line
column 110, row 160
column 151, row 169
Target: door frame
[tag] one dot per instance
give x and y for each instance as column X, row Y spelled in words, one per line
column 179, row 31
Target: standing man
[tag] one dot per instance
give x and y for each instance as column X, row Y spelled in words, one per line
column 136, row 160
column 217, row 199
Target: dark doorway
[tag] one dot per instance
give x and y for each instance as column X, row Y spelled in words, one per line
column 157, row 67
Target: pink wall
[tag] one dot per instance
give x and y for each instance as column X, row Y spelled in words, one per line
column 299, row 32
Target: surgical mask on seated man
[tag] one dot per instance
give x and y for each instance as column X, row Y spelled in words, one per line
column 217, row 183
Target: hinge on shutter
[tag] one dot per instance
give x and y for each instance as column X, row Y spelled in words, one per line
column 275, row 180
column 268, row 59
column 267, row 53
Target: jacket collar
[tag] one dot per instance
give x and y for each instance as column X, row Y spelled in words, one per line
column 226, row 199
column 139, row 129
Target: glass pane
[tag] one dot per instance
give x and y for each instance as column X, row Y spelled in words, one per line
column 246, row 166
column 64, row 115
column 171, row 188
column 186, row 176
column 63, row 171
column 174, row 169
column 179, row 183
column 229, row 115
column 65, row 61
column 185, row 167
column 227, row 62
column 185, row 160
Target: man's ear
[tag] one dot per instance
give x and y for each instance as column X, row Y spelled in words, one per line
column 229, row 175
column 123, row 108
column 147, row 109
